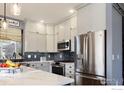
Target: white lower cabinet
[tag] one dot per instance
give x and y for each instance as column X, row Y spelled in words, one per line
column 69, row 70
column 45, row 66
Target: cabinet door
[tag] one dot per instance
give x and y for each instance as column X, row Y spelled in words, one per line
column 36, row 42
column 73, row 29
column 50, row 43
column 61, row 33
column 67, row 31
column 33, row 65
column 50, row 29
column 56, row 37
column 45, row 66
column 55, row 43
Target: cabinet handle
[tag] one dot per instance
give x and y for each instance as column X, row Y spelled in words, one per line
column 70, row 71
column 41, row 64
column 70, row 67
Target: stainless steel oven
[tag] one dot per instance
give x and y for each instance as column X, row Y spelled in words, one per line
column 58, row 68
column 64, row 45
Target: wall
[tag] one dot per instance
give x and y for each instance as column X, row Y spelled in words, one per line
column 91, row 18
column 117, row 46
column 114, row 46
column 109, row 42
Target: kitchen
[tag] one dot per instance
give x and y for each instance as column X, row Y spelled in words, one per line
column 48, row 43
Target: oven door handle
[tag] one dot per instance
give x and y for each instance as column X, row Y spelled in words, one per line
column 56, row 66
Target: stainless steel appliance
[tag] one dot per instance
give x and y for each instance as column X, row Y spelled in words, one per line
column 90, row 58
column 58, row 68
column 64, row 45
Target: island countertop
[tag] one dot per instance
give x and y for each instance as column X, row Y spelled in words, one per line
column 31, row 76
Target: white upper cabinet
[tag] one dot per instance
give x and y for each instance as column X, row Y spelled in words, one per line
column 49, row 29
column 73, row 30
column 40, row 28
column 44, row 37
column 36, row 42
column 63, row 30
column 35, row 37
column 67, row 30
column 61, row 33
column 50, row 43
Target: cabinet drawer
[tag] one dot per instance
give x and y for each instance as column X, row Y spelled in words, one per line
column 69, row 71
column 33, row 65
column 70, row 75
column 69, row 65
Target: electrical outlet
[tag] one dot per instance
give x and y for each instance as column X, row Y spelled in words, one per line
column 118, row 56
column 35, row 56
column 60, row 56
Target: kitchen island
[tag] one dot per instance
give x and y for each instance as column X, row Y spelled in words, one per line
column 30, row 76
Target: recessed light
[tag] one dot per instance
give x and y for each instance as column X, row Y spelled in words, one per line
column 42, row 21
column 72, row 11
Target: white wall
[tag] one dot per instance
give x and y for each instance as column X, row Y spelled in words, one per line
column 91, row 18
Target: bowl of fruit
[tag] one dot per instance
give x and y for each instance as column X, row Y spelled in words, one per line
column 10, row 67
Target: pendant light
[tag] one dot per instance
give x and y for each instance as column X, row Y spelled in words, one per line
column 4, row 21
column 16, row 9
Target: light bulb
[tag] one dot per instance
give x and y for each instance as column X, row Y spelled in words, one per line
column 4, row 24
column 16, row 9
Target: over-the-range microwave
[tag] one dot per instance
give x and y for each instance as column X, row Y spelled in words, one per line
column 64, row 45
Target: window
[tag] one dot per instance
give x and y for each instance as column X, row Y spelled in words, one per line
column 11, row 43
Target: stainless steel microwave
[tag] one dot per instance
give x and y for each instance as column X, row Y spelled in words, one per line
column 64, row 45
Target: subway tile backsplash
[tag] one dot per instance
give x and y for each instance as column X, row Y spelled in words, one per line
column 56, row 56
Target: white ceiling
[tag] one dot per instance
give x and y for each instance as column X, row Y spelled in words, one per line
column 49, row 12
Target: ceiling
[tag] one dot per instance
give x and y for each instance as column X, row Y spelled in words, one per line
column 49, row 12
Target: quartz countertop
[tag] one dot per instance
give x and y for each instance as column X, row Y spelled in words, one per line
column 31, row 76
column 37, row 61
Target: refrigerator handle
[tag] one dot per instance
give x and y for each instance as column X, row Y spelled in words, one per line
column 84, row 55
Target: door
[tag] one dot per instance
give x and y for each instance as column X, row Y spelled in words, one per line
column 99, row 52
column 95, row 63
column 81, row 49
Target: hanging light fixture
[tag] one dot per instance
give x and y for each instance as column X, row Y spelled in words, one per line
column 4, row 21
column 16, row 9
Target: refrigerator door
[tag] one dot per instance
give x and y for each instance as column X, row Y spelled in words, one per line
column 96, row 53
column 80, row 49
column 99, row 57
column 85, row 79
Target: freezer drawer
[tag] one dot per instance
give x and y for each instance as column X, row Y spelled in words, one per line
column 88, row 80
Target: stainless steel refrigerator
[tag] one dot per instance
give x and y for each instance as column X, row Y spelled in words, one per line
column 90, row 58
